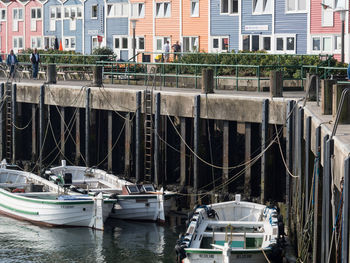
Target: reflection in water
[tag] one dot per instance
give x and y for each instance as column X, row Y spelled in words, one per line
column 121, row 241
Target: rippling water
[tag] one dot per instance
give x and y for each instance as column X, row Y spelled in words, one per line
column 121, row 241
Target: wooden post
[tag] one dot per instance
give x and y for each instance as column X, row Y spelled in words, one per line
column 276, row 83
column 289, row 154
column 62, row 111
column 225, row 154
column 307, row 165
column 109, row 141
column 14, row 116
column 196, row 122
column 156, row 139
column 344, row 117
column 127, row 166
column 207, row 81
column 87, row 127
column 77, row 137
column 2, row 95
column 315, row 252
column 345, row 215
column 248, row 152
column 183, row 152
column 97, row 76
column 33, row 132
column 138, row 136
column 264, row 135
column 326, row 96
column 51, row 74
column 41, row 123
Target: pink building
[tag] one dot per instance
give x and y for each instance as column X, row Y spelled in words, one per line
column 15, row 26
column 33, row 25
column 325, row 28
column 3, row 26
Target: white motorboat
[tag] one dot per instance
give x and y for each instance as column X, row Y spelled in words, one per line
column 134, row 201
column 26, row 196
column 236, row 231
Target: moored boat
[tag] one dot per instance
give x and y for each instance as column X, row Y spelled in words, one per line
column 26, row 196
column 236, row 231
column 134, row 201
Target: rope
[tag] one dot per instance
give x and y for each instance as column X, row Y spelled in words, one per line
column 267, row 259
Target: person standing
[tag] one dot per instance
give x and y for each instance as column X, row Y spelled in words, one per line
column 35, row 59
column 177, row 49
column 166, row 49
column 12, row 62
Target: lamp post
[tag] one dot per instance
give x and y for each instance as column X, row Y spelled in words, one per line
column 133, row 24
column 342, row 13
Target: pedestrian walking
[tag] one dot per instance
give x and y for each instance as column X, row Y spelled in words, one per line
column 166, row 49
column 12, row 62
column 177, row 49
column 35, row 59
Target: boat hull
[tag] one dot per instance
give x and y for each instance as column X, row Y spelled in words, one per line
column 51, row 212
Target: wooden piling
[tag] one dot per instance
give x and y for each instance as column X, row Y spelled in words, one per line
column 183, row 152
column 207, row 81
column 248, row 153
column 77, row 137
column 109, row 140
column 289, row 154
column 33, row 157
column 138, row 136
column 307, row 165
column 326, row 96
column 264, row 135
column 87, row 127
column 196, row 125
column 41, row 123
column 225, row 154
column 14, row 120
column 63, row 139
column 276, row 83
column 156, row 139
column 345, row 214
column 344, row 117
column 127, row 163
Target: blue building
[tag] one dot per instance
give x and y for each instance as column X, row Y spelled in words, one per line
column 94, row 23
column 224, row 25
column 73, row 25
column 291, row 28
column 256, row 25
column 117, row 29
column 52, row 22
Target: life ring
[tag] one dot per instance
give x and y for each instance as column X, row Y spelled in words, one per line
column 18, row 190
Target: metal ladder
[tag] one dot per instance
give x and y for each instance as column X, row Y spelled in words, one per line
column 148, row 126
column 8, row 116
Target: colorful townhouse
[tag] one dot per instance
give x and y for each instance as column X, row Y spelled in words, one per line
column 15, row 26
column 73, row 25
column 116, row 27
column 256, row 25
column 325, row 28
column 94, row 25
column 3, row 26
column 224, row 25
column 33, row 24
column 52, row 27
column 290, row 26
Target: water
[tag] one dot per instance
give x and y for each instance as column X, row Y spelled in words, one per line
column 122, row 241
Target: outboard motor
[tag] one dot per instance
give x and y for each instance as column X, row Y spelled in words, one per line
column 67, row 180
column 180, row 249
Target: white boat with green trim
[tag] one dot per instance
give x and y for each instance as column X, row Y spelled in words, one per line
column 236, row 231
column 134, row 201
column 26, row 196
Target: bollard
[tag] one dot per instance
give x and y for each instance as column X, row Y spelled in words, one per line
column 51, row 74
column 311, row 83
column 207, row 81
column 276, row 84
column 97, row 76
column 326, row 96
column 344, row 117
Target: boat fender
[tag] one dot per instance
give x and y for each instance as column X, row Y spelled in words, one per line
column 281, row 233
column 18, row 190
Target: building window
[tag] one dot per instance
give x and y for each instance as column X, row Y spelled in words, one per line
column 18, row 13
column 327, row 44
column 195, row 8
column 121, row 42
column 262, row 6
column 117, row 10
column 286, row 44
column 220, row 44
column 190, row 44
column 17, row 43
column 160, row 42
column 267, row 43
column 316, row 43
column 138, row 10
column 36, row 13
column 337, row 43
column 163, row 9
column 94, row 11
column 2, row 14
column 141, row 43
column 295, row 5
column 69, row 43
column 229, row 6
column 73, row 12
column 36, row 42
column 94, row 43
column 49, row 42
